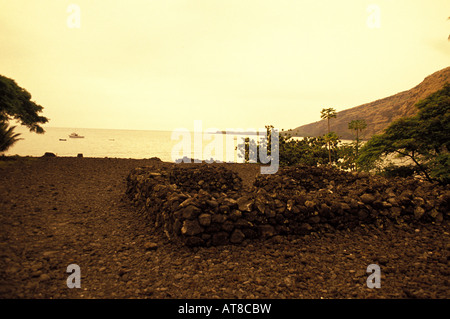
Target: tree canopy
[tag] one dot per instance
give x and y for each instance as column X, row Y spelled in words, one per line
column 15, row 103
column 358, row 126
column 308, row 151
column 423, row 138
column 327, row 114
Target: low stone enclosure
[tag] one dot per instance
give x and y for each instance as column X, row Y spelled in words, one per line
column 206, row 204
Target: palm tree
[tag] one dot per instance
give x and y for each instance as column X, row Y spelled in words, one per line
column 358, row 126
column 331, row 139
column 7, row 136
column 328, row 114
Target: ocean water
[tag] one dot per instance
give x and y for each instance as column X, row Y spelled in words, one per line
column 136, row 144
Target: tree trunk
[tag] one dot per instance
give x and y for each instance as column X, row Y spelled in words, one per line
column 329, row 153
column 421, row 168
column 329, row 146
column 357, row 146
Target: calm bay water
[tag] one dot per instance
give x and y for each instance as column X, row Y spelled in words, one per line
column 136, row 144
column 113, row 143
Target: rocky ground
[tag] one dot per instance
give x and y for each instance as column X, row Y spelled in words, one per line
column 60, row 211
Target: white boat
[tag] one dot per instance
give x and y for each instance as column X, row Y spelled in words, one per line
column 75, row 135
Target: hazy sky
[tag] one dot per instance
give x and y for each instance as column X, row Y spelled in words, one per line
column 161, row 64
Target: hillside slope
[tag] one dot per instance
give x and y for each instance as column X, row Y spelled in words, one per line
column 380, row 113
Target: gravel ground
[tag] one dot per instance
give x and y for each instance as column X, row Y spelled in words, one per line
column 60, row 211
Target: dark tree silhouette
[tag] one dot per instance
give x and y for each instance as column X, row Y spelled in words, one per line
column 15, row 103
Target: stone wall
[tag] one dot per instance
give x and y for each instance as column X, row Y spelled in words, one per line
column 204, row 205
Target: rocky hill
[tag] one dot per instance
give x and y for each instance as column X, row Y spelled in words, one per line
column 380, row 113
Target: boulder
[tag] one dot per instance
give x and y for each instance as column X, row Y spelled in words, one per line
column 194, row 241
column 190, row 212
column 204, row 219
column 220, row 238
column 245, row 204
column 237, row 237
column 191, row 228
column 266, row 230
column 49, row 154
column 367, row 198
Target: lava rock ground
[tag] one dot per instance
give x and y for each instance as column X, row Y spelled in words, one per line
column 60, row 211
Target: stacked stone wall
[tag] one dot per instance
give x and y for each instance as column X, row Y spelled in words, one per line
column 204, row 205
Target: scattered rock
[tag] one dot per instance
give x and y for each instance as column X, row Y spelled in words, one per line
column 245, row 204
column 49, row 253
column 305, row 227
column 418, row 212
column 310, row 204
column 367, row 198
column 49, row 154
column 150, row 246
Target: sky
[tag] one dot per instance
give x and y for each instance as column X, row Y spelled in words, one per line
column 233, row 64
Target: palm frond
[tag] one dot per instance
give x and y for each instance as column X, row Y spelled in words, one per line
column 7, row 136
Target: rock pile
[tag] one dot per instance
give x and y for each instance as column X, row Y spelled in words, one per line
column 206, row 205
column 206, row 177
